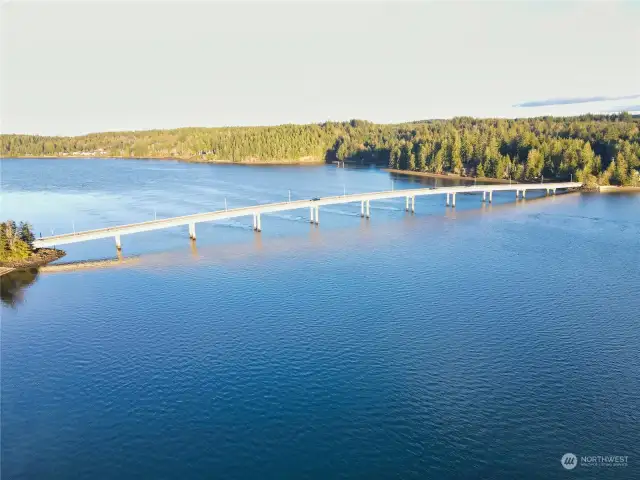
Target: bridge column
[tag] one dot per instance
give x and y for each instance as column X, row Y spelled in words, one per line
column 255, row 222
column 258, row 223
column 118, row 244
column 490, row 196
column 517, row 193
column 447, row 199
column 554, row 191
column 192, row 231
column 317, row 215
column 547, row 194
column 484, row 196
column 413, row 204
column 406, row 204
column 453, row 200
column 362, row 208
column 311, row 220
column 524, row 193
column 368, row 213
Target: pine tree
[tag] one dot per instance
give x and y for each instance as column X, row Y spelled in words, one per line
column 621, row 174
column 420, row 157
column 26, row 234
column 456, row 155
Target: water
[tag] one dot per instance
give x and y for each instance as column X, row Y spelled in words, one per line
column 484, row 342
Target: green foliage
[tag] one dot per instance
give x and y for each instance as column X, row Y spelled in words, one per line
column 16, row 241
column 26, row 234
column 523, row 149
column 534, row 164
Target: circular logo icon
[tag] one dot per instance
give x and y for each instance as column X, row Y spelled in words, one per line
column 569, row 461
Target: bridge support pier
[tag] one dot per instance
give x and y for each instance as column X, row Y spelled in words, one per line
column 413, row 204
column 311, row 214
column 524, row 193
column 368, row 212
column 192, row 231
column 484, row 196
column 547, row 194
column 490, row 196
column 258, row 223
column 554, row 191
column 362, row 208
column 406, row 204
column 447, row 199
column 118, row 244
column 453, row 200
column 317, row 215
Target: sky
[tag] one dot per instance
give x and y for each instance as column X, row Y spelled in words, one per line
column 70, row 68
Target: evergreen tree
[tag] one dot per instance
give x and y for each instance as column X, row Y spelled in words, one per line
column 456, row 155
column 620, row 173
column 421, row 161
column 26, row 234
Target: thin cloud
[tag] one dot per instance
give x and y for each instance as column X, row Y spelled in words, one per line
column 571, row 101
column 624, row 108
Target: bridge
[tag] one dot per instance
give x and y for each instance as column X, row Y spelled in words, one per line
column 314, row 205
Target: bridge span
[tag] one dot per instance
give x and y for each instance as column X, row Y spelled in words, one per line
column 410, row 195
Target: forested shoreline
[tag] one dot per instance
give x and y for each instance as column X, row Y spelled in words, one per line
column 596, row 149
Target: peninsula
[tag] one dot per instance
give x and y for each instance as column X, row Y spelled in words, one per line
column 17, row 248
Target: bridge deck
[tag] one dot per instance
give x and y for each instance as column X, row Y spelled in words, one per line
column 278, row 207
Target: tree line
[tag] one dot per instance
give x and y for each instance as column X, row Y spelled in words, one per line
column 596, row 149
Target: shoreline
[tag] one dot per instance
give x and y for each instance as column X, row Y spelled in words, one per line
column 38, row 258
column 618, row 189
column 450, row 177
column 313, row 162
column 5, row 270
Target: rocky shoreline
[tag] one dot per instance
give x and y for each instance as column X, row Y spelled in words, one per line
column 38, row 258
column 450, row 176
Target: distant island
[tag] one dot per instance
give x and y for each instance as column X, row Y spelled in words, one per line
column 594, row 149
column 16, row 247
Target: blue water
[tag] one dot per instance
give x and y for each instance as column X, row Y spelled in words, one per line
column 484, row 342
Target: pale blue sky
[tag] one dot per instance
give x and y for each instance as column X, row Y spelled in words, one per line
column 69, row 68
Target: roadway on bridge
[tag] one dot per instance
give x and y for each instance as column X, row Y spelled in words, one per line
column 293, row 205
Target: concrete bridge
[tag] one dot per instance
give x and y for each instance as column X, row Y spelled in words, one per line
column 410, row 195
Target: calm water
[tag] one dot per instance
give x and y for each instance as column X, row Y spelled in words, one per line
column 481, row 343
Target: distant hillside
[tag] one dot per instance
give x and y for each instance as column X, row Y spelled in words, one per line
column 594, row 148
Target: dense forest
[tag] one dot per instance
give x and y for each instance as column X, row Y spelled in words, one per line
column 602, row 149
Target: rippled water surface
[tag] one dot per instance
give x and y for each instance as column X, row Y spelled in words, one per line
column 484, row 342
